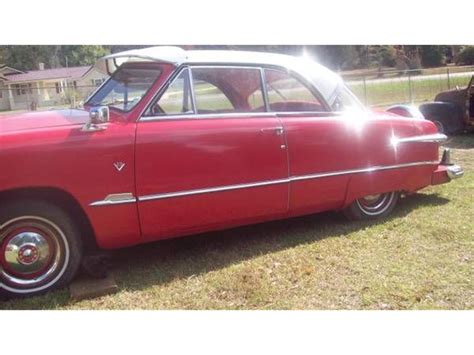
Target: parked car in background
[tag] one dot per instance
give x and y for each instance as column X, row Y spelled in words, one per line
column 178, row 142
column 452, row 111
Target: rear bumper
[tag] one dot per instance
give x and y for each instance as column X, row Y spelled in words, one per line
column 455, row 171
column 446, row 171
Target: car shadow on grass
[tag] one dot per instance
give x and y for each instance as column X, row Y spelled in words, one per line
column 162, row 262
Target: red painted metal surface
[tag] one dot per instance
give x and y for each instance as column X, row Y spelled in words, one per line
column 49, row 150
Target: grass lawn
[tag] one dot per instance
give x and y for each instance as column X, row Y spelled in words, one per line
column 420, row 258
column 395, row 91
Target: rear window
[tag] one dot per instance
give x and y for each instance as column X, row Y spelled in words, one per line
column 288, row 94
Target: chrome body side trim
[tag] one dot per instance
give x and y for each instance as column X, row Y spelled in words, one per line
column 279, row 181
column 363, row 170
column 121, row 198
column 115, row 199
column 427, row 138
column 212, row 189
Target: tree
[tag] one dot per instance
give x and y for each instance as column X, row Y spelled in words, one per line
column 81, row 55
column 384, row 56
column 28, row 57
column 432, row 56
column 2, row 56
column 466, row 56
column 337, row 57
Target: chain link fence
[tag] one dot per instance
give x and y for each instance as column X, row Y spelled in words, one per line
column 388, row 87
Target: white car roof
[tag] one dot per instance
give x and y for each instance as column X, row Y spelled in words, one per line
column 324, row 80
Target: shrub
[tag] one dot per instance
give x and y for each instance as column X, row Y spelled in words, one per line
column 466, row 57
column 432, row 56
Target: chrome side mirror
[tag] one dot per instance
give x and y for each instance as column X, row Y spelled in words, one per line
column 97, row 116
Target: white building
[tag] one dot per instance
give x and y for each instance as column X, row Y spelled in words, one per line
column 46, row 87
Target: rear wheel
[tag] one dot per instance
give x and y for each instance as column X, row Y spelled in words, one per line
column 40, row 248
column 372, row 206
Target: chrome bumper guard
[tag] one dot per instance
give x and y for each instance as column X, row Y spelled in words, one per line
column 455, row 171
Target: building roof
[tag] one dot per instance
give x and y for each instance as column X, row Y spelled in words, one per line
column 324, row 79
column 47, row 74
column 6, row 70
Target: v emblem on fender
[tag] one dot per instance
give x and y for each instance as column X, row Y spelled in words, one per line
column 119, row 165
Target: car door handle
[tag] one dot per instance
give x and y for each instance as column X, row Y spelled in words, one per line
column 277, row 130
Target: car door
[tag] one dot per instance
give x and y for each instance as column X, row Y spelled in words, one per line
column 320, row 143
column 331, row 144
column 208, row 156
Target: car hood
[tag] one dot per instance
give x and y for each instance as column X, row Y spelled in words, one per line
column 455, row 95
column 42, row 120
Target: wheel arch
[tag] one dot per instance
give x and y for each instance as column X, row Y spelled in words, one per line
column 61, row 199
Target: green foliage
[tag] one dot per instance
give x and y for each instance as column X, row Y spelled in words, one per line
column 432, row 56
column 82, row 55
column 379, row 56
column 27, row 57
column 2, row 56
column 386, row 56
column 466, row 56
column 336, row 57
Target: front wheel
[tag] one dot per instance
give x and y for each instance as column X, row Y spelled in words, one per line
column 372, row 206
column 40, row 248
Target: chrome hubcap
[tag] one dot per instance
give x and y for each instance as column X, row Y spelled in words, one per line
column 371, row 198
column 376, row 204
column 33, row 254
column 27, row 252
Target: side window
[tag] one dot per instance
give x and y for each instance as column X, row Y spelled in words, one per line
column 288, row 94
column 209, row 98
column 344, row 100
column 176, row 99
column 225, row 90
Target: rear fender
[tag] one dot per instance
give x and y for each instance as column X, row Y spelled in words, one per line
column 405, row 111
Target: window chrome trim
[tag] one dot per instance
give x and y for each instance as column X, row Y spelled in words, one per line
column 230, row 115
column 191, row 90
column 163, row 89
column 255, row 66
column 264, row 90
column 208, row 116
column 280, row 181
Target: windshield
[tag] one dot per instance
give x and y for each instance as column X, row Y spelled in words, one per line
column 125, row 88
column 344, row 100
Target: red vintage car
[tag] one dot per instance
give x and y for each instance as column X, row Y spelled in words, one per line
column 179, row 142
